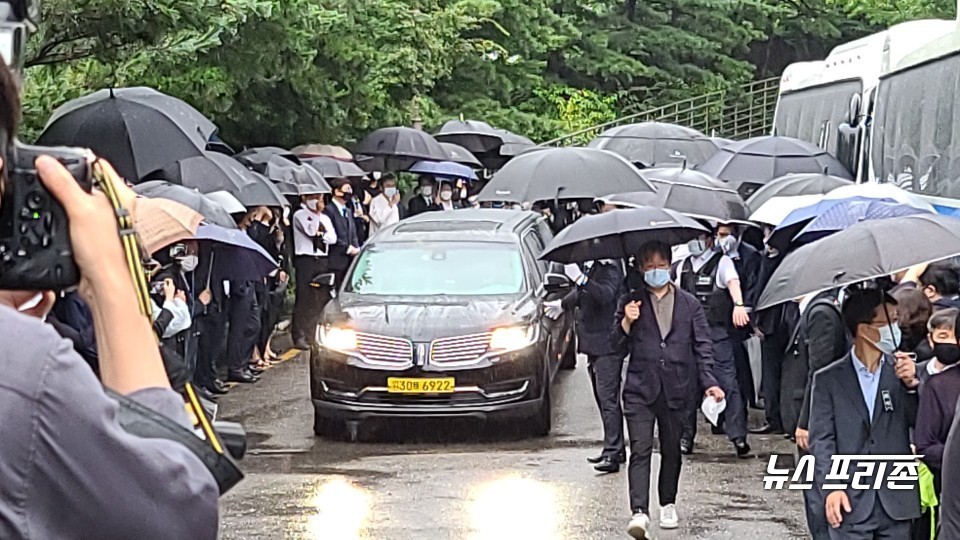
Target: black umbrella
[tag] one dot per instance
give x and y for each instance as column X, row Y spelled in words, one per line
column 461, row 155
column 657, row 143
column 254, row 157
column 682, row 175
column 755, row 162
column 563, row 173
column 619, row 234
column 398, row 148
column 191, row 198
column 513, row 145
column 793, row 185
column 138, row 130
column 867, row 250
column 722, row 205
column 334, row 168
column 473, row 135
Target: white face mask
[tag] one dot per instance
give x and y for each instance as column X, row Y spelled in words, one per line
column 312, row 204
column 446, row 195
column 188, row 263
column 390, row 192
column 426, row 191
column 463, row 193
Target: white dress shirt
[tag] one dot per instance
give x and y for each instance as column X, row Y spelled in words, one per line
column 382, row 213
column 306, row 227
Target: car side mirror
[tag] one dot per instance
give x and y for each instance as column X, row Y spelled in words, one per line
column 554, row 283
column 324, row 280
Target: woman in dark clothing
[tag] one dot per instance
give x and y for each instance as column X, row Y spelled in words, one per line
column 914, row 309
column 941, row 283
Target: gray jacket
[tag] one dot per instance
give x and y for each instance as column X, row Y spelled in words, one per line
column 67, row 469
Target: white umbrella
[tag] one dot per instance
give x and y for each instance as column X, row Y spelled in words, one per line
column 871, row 190
column 774, row 211
column 227, row 201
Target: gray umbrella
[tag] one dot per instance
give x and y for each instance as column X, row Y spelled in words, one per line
column 793, row 185
column 252, row 157
column 461, row 155
column 563, row 173
column 334, row 168
column 867, row 250
column 397, row 149
column 513, row 145
column 191, row 198
column 656, row 143
column 682, row 175
column 218, row 172
column 719, row 204
column 755, row 162
column 292, row 179
column 619, row 234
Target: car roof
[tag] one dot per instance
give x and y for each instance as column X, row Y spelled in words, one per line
column 481, row 224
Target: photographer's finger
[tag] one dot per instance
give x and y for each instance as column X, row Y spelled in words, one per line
column 61, row 184
column 43, row 306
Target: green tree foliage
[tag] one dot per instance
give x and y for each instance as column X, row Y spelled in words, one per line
column 291, row 71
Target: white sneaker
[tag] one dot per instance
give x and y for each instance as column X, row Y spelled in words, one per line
column 639, row 525
column 668, row 517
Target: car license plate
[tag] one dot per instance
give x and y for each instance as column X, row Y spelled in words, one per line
column 435, row 385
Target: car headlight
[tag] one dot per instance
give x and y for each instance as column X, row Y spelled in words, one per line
column 513, row 338
column 337, row 339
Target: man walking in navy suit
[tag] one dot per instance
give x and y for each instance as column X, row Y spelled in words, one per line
column 665, row 331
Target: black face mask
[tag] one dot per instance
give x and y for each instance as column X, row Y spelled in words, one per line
column 947, row 353
column 348, row 196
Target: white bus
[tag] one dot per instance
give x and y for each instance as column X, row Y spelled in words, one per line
column 916, row 129
column 828, row 103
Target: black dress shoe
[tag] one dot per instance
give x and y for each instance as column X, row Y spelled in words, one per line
column 595, row 459
column 607, row 466
column 206, row 394
column 767, row 429
column 301, row 344
column 255, row 370
column 216, row 390
column 686, row 447
column 743, row 449
column 242, row 377
column 620, row 458
column 717, row 430
column 218, row 384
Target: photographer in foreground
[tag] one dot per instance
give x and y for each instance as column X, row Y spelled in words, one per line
column 68, row 468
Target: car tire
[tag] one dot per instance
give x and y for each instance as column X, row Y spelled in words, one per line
column 542, row 420
column 569, row 360
column 326, row 427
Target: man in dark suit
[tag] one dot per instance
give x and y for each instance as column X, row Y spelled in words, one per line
column 864, row 405
column 820, row 340
column 665, row 331
column 341, row 215
column 424, row 200
column 595, row 299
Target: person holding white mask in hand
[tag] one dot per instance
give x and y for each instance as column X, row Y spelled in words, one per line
column 313, row 233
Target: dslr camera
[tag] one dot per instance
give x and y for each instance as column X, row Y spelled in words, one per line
column 35, row 249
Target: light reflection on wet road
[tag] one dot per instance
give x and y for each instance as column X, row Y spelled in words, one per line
column 462, row 480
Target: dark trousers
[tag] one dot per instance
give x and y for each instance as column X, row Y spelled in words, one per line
column 244, row 326
column 744, row 372
column 880, row 526
column 813, row 503
column 270, row 298
column 210, row 347
column 725, row 371
column 606, row 374
column 773, row 350
column 640, row 422
column 310, row 301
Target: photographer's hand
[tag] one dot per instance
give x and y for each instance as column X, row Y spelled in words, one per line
column 129, row 356
column 16, row 299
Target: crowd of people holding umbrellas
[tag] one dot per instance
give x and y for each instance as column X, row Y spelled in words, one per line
column 711, row 264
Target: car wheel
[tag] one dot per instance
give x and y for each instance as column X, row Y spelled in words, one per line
column 326, row 427
column 542, row 420
column 569, row 360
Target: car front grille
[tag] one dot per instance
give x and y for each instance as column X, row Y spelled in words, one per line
column 385, row 349
column 458, row 349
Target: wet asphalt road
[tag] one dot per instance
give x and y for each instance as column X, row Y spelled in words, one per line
column 444, row 480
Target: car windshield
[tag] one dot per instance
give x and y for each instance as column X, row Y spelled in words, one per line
column 425, row 269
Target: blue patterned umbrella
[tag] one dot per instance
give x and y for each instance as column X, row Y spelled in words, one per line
column 847, row 213
column 446, row 169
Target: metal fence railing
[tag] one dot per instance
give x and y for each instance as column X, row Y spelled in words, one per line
column 737, row 113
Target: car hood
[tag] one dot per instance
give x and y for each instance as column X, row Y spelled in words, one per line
column 424, row 318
